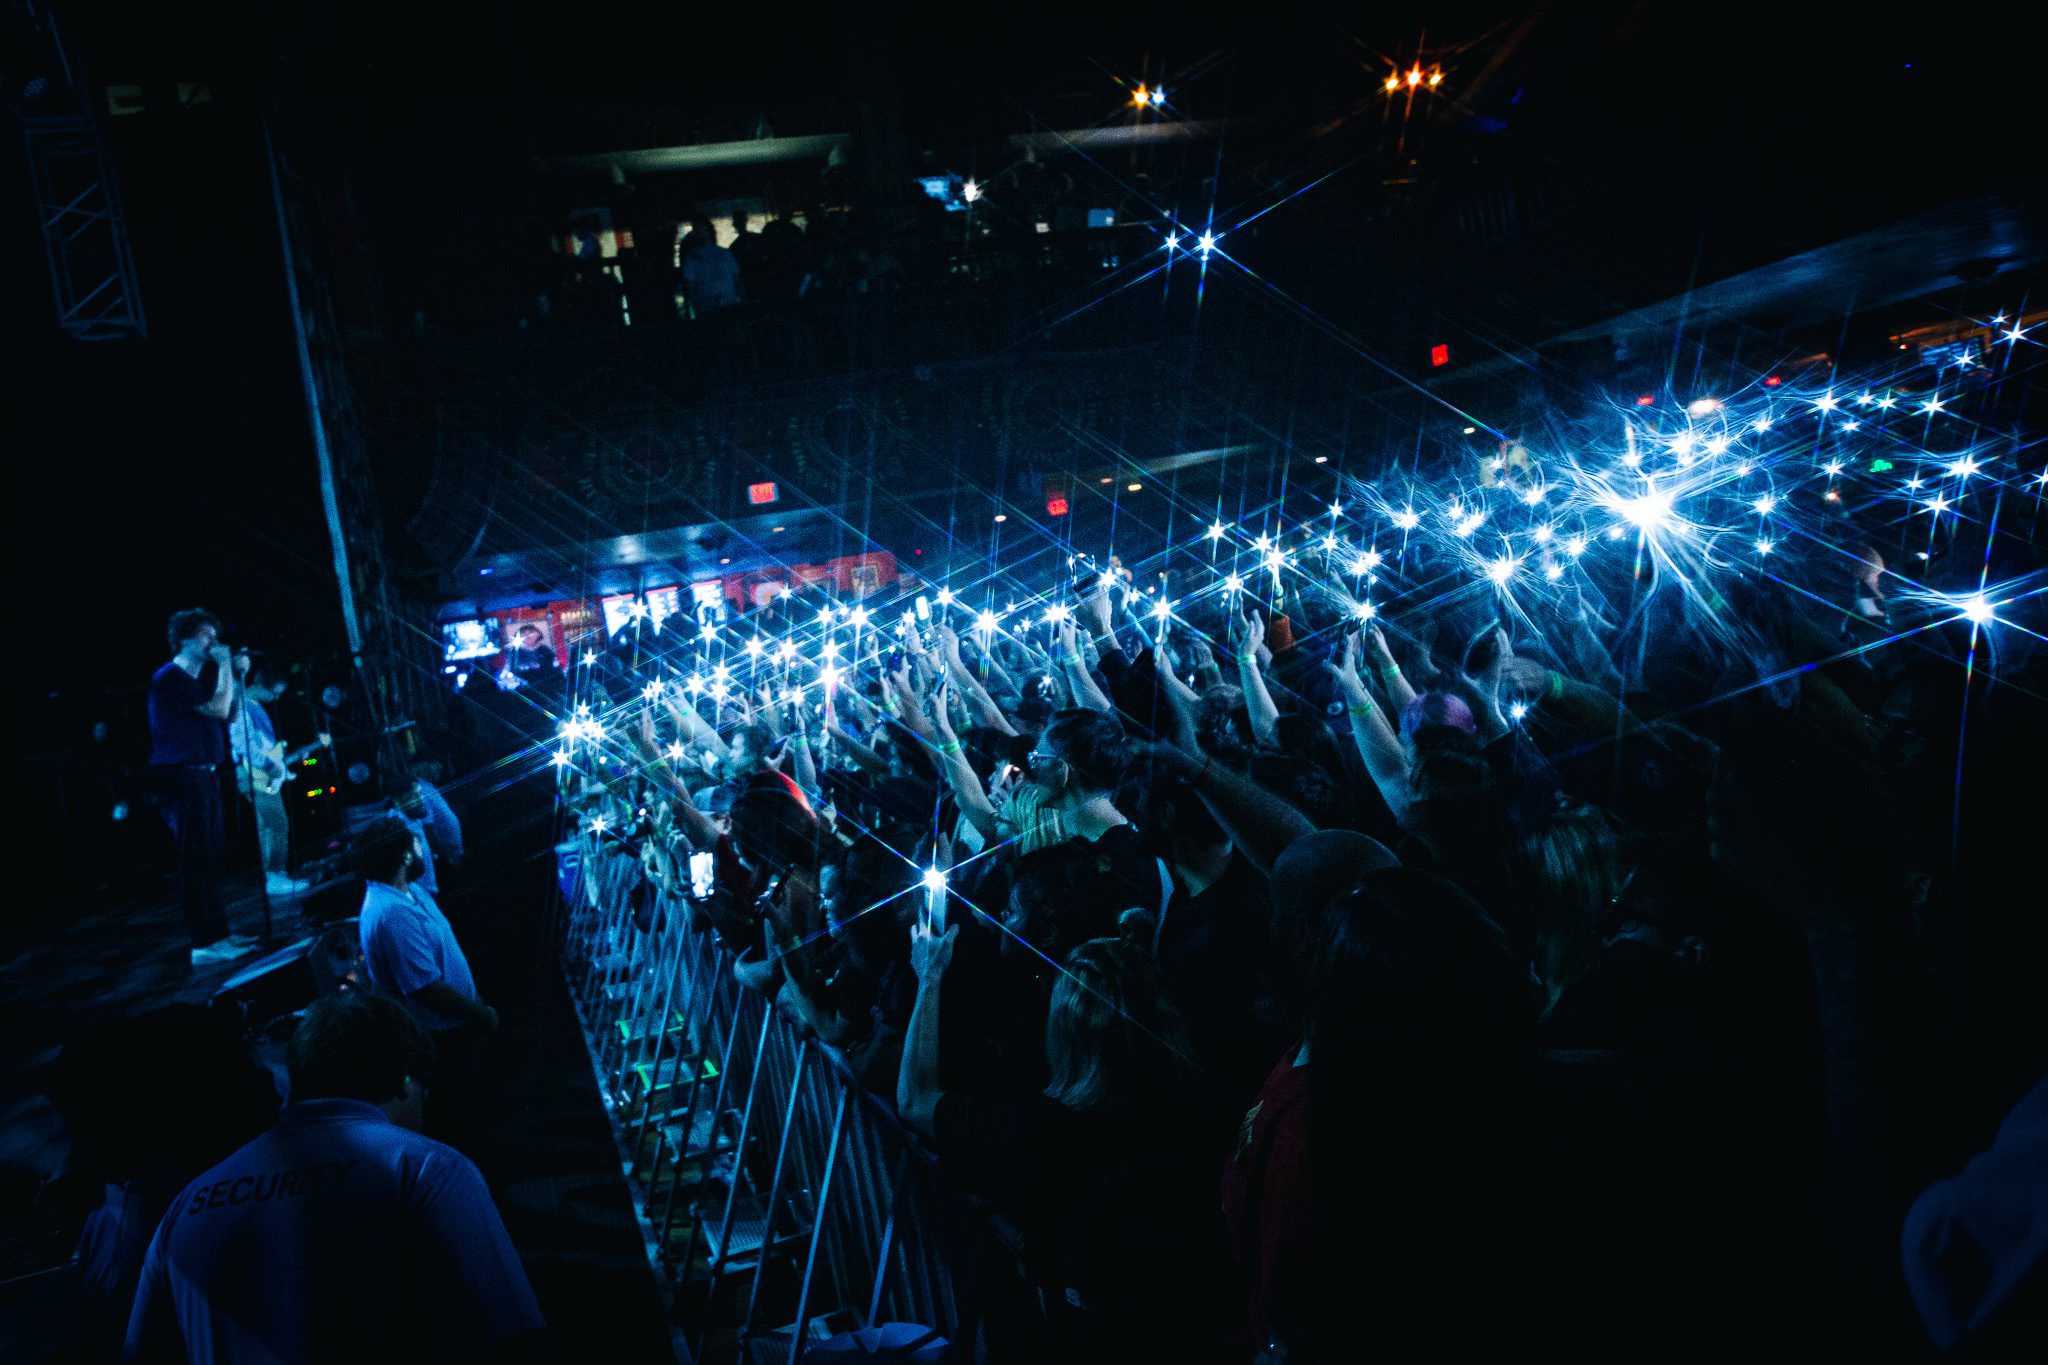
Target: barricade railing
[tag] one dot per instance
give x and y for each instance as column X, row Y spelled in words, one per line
column 775, row 1191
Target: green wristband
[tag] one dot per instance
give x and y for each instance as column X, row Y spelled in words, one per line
column 1359, row 711
column 950, row 747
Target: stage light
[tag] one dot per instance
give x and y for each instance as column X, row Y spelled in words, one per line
column 1141, row 97
column 859, row 616
column 1718, row 446
column 561, row 758
column 1517, row 710
column 1470, row 430
column 1887, row 401
column 1575, row 546
column 1762, row 424
column 1407, row 519
column 970, row 192
column 1172, row 240
column 1763, row 547
column 1700, row 407
column 1502, row 569
column 1833, row 467
column 1764, row 504
column 985, row 621
column 1233, row 584
column 1134, row 488
column 1158, row 97
column 1215, row 531
column 1931, row 405
column 1826, row 402
column 1963, row 468
column 1002, row 517
column 1161, row 610
column 1365, row 611
column 1553, row 572
column 1322, row 459
column 1977, row 610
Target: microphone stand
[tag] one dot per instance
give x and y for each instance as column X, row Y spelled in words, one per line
column 248, row 765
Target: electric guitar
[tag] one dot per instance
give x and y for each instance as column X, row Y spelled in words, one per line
column 259, row 771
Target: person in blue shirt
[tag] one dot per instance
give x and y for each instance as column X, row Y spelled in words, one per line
column 341, row 1234
column 412, row 956
column 433, row 821
column 192, row 699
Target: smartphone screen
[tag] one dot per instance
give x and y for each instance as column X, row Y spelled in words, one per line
column 703, row 874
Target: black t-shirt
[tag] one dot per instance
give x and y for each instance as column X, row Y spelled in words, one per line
column 1215, row 963
column 1118, row 1210
column 178, row 734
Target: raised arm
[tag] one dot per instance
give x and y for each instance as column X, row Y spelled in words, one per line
column 1079, row 679
column 1398, row 689
column 977, row 697
column 1245, row 634
column 1377, row 743
column 917, row 1078
column 1259, row 822
column 961, row 777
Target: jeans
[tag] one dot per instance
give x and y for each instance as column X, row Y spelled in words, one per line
column 273, row 831
column 189, row 798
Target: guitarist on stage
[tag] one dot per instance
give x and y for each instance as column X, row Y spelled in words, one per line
column 261, row 768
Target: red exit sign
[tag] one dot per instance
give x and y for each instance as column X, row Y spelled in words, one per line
column 1440, row 355
column 761, row 494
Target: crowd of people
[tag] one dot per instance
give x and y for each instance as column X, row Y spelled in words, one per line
column 1304, row 985
column 1636, row 971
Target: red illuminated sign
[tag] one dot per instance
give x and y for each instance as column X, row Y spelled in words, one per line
column 1440, row 354
column 761, row 494
column 1055, row 507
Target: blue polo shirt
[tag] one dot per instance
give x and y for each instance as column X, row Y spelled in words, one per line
column 335, row 1236
column 409, row 944
column 178, row 734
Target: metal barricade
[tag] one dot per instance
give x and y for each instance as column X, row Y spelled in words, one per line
column 769, row 1183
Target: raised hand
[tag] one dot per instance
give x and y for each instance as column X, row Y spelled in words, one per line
column 1095, row 606
column 1344, row 668
column 1526, row 676
column 930, row 953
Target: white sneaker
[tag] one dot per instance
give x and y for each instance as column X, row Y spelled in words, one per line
column 226, row 950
